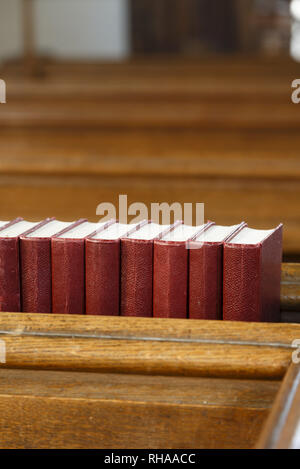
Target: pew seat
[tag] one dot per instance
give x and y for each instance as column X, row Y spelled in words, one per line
column 114, row 382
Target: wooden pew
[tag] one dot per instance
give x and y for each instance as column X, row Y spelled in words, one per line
column 239, row 175
column 220, row 131
column 282, row 429
column 113, row 382
column 203, row 95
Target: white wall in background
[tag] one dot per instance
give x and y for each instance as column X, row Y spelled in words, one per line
column 69, row 28
column 295, row 33
column 10, row 31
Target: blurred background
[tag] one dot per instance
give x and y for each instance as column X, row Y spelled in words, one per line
column 163, row 100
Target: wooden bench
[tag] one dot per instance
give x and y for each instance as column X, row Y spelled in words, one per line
column 115, row 382
column 220, row 131
column 250, row 175
column 207, row 94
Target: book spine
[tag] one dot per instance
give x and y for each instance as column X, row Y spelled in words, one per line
column 136, row 277
column 206, row 281
column 271, row 276
column 242, row 283
column 68, row 265
column 10, row 287
column 102, row 277
column 36, row 275
column 170, row 280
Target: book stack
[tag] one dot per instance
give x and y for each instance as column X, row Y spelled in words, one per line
column 146, row 270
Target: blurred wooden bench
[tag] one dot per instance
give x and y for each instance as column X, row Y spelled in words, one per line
column 207, row 94
column 233, row 93
column 251, row 175
column 113, row 382
column 221, row 131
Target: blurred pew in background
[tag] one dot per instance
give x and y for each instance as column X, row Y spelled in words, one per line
column 223, row 132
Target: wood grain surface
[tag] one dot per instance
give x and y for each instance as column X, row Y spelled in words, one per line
column 282, row 429
column 147, row 346
column 290, row 288
column 46, row 409
column 115, row 382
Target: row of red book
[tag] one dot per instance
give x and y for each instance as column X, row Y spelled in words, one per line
column 146, row 269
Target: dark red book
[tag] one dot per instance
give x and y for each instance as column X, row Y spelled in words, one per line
column 252, row 271
column 137, row 270
column 102, row 265
column 35, row 248
column 68, row 268
column 10, row 281
column 206, row 271
column 170, row 285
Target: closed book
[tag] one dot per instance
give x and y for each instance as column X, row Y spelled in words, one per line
column 170, row 285
column 252, row 271
column 68, row 268
column 102, row 265
column 35, row 248
column 206, row 271
column 10, row 280
column 137, row 270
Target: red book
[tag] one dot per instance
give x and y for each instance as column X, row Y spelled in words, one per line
column 10, row 282
column 102, row 265
column 137, row 270
column 206, row 271
column 170, row 286
column 252, row 271
column 35, row 248
column 68, row 268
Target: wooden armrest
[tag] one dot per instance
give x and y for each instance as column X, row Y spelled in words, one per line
column 282, row 429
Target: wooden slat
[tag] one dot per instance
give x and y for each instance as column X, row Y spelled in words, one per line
column 290, row 274
column 46, row 409
column 152, row 86
column 290, row 289
column 282, row 429
column 232, row 93
column 245, row 66
column 186, row 154
column 150, row 115
column 147, row 346
column 260, row 334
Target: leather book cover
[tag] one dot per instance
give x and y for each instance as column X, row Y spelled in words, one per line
column 206, row 272
column 35, row 252
column 10, row 279
column 68, row 279
column 102, row 265
column 170, row 285
column 251, row 278
column 137, row 273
